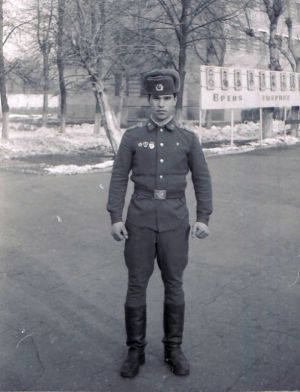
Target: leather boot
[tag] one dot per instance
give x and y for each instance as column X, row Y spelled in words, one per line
column 173, row 329
column 135, row 321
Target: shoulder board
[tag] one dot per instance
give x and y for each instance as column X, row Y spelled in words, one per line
column 183, row 127
column 137, row 125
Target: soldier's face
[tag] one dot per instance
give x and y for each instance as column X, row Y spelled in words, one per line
column 162, row 106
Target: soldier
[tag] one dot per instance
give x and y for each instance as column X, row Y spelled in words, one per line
column 159, row 154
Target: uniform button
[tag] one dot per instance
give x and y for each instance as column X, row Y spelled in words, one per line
column 161, row 176
column 161, row 160
column 161, row 130
column 161, row 144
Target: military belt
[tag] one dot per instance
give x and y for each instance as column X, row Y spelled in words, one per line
column 159, row 194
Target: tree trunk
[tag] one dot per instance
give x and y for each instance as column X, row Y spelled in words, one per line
column 4, row 103
column 181, row 67
column 110, row 123
column 267, row 122
column 121, row 94
column 294, row 50
column 274, row 52
column 182, row 39
column 5, row 124
column 211, row 55
column 97, row 124
column 61, row 66
column 207, row 119
column 46, row 86
column 273, row 12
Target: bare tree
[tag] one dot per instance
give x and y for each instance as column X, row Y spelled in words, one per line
column 274, row 10
column 212, row 50
column 12, row 21
column 92, row 44
column 181, row 24
column 134, row 52
column 44, row 31
column 294, row 48
column 4, row 102
column 60, row 63
column 293, row 45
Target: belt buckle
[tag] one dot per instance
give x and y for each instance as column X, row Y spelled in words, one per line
column 160, row 194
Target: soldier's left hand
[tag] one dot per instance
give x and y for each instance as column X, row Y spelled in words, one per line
column 200, row 230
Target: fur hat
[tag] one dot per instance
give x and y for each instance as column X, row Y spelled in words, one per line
column 161, row 82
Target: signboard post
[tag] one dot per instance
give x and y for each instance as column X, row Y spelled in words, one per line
column 260, row 126
column 232, row 127
column 284, row 120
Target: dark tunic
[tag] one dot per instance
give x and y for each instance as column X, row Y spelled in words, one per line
column 159, row 158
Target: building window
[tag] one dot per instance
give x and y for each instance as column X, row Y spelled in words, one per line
column 249, row 44
column 263, row 41
column 235, row 44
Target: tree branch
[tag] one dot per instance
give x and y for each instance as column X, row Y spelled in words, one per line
column 14, row 29
column 291, row 46
column 221, row 18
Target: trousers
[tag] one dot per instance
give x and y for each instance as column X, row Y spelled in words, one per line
column 169, row 248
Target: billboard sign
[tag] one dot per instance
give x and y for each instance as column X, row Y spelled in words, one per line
column 240, row 88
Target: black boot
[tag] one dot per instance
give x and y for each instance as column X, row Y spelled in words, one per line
column 173, row 328
column 135, row 320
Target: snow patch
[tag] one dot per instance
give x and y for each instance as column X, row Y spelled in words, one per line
column 48, row 141
column 272, row 142
column 74, row 169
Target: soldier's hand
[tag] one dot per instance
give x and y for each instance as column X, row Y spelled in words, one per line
column 200, row 230
column 118, row 231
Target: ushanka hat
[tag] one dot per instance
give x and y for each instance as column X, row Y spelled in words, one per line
column 161, row 82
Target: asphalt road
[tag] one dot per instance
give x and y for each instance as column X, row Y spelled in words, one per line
column 63, row 282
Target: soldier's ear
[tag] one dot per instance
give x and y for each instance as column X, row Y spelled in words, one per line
column 175, row 98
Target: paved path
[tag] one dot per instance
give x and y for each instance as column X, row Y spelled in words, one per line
column 63, row 281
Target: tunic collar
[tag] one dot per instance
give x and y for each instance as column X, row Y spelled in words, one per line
column 170, row 125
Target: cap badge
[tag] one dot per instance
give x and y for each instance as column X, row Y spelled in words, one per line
column 151, row 145
column 159, row 87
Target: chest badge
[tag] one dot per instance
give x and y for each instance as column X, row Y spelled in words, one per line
column 145, row 144
column 140, row 144
column 151, row 145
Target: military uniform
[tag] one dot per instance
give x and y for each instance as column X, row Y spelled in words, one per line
column 159, row 157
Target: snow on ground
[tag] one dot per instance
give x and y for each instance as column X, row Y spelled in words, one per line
column 78, row 138
column 241, row 132
column 74, row 169
column 266, row 143
column 44, row 141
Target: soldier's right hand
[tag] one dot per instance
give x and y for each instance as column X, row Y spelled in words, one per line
column 118, row 231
